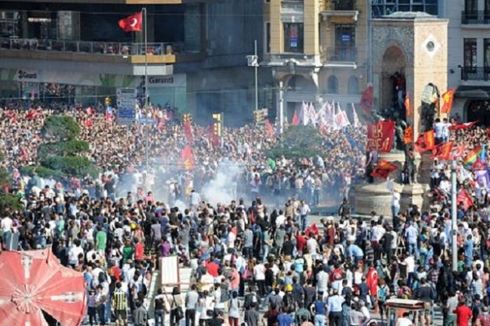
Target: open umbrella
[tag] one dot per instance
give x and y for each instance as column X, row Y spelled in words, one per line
column 34, row 282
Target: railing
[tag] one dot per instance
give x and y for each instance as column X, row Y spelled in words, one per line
column 342, row 53
column 109, row 48
column 475, row 17
column 475, row 73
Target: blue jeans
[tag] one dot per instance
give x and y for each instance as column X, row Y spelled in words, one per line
column 319, row 320
column 159, row 317
column 303, row 222
column 413, row 249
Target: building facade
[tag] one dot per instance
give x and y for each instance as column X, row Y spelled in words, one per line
column 74, row 51
column 316, row 50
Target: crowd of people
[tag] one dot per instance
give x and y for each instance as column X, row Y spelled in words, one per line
column 253, row 260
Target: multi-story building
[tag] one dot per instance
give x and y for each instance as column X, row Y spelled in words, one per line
column 469, row 58
column 75, row 51
column 317, row 50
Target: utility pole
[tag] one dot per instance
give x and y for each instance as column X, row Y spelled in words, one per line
column 256, row 67
column 146, row 54
column 454, row 213
column 281, row 107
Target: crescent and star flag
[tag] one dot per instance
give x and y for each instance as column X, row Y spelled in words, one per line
column 380, row 136
column 132, row 23
column 383, row 169
column 447, row 100
column 425, row 142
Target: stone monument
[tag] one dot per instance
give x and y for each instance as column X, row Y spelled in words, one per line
column 409, row 57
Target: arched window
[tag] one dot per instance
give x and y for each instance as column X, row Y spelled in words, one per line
column 353, row 85
column 332, row 85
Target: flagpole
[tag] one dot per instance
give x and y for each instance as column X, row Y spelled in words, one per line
column 454, row 218
column 146, row 55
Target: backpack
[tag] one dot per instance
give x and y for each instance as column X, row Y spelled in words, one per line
column 382, row 293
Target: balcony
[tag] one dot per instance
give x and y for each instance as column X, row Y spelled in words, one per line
column 291, row 60
column 158, row 53
column 340, row 11
column 475, row 73
column 480, row 17
column 342, row 54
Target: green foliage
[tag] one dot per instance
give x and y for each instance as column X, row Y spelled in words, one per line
column 298, row 142
column 70, row 147
column 79, row 166
column 9, row 202
column 60, row 127
column 61, row 157
column 41, row 171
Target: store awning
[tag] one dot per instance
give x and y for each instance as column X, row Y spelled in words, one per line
column 473, row 92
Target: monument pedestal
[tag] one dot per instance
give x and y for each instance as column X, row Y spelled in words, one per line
column 413, row 194
column 372, row 197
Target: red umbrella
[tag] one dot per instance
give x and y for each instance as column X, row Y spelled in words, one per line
column 35, row 281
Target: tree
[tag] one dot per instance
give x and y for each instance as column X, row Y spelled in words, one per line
column 8, row 201
column 61, row 154
column 298, row 142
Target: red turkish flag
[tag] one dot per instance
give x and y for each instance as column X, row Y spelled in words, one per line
column 132, row 23
column 443, row 151
column 380, row 136
column 425, row 142
column 465, row 199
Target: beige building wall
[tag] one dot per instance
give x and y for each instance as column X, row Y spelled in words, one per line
column 311, row 30
column 277, row 33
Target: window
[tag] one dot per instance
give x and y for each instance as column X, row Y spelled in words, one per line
column 486, row 54
column 267, row 46
column 469, row 53
column 293, row 37
column 345, row 42
column 353, row 85
column 471, row 5
column 332, row 85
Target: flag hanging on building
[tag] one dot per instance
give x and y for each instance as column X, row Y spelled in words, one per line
column 367, row 99
column 447, row 100
column 132, row 23
column 380, row 136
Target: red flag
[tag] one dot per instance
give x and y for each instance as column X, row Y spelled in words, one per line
column 447, row 100
column 295, row 120
column 380, row 136
column 88, row 123
column 425, row 142
column 269, row 129
column 461, row 126
column 458, row 151
column 367, row 99
column 187, row 157
column 108, row 116
column 408, row 108
column 443, row 151
column 188, row 132
column 383, row 169
column 465, row 199
column 132, row 23
column 213, row 137
column 478, row 165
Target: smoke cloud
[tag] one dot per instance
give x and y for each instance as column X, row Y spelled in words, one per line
column 223, row 187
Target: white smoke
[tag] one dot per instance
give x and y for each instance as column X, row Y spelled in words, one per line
column 223, row 187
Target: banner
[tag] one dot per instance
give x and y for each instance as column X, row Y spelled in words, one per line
column 380, row 136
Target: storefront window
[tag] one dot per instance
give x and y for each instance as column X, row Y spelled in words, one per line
column 293, row 37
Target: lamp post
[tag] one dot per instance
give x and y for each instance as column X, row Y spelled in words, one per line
column 454, row 244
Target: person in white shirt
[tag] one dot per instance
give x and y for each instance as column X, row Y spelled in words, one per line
column 404, row 321
column 304, row 210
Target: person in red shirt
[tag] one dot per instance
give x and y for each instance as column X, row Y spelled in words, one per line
column 139, row 251
column 300, row 242
column 212, row 268
column 484, row 318
column 463, row 314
